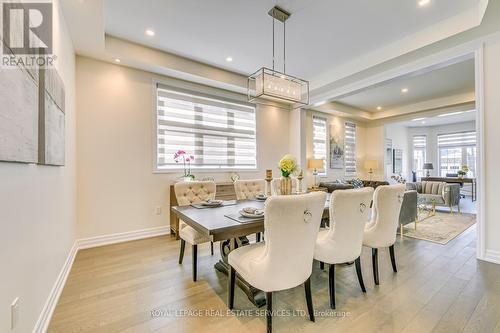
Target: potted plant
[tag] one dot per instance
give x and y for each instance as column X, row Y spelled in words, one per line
column 181, row 156
column 288, row 166
column 463, row 172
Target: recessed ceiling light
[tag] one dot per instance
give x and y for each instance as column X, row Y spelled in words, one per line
column 423, row 3
column 150, row 32
column 229, row 59
column 404, row 90
column 117, row 60
column 379, row 108
column 417, row 119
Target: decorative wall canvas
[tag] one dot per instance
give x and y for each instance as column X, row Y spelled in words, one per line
column 397, row 161
column 32, row 116
column 388, row 153
column 18, row 116
column 336, row 150
column 52, row 117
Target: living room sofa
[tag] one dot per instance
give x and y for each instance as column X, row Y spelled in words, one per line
column 437, row 193
column 333, row 185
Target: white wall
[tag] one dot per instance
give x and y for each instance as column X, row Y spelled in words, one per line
column 491, row 147
column 335, row 126
column 399, row 136
column 117, row 190
column 38, row 211
column 374, row 148
column 431, row 132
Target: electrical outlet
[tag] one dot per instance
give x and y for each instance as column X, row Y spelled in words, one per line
column 14, row 313
column 158, row 210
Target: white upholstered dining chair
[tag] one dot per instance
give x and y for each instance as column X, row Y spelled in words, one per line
column 284, row 259
column 381, row 231
column 343, row 241
column 248, row 189
column 188, row 193
column 276, row 185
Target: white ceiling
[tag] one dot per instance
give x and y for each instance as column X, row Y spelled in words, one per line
column 437, row 121
column 322, row 35
column 447, row 81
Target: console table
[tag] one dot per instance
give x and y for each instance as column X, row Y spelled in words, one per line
column 456, row 180
column 223, row 191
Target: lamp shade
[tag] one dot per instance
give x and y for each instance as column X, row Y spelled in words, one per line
column 428, row 166
column 371, row 164
column 314, row 163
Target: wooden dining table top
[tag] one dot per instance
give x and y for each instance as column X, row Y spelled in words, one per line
column 214, row 222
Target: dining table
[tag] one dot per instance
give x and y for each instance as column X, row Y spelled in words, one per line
column 225, row 224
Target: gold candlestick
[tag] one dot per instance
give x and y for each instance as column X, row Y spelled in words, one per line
column 299, row 178
column 269, row 178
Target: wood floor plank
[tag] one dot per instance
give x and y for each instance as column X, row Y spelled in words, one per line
column 438, row 288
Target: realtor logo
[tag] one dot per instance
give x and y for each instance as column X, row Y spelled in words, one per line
column 27, row 28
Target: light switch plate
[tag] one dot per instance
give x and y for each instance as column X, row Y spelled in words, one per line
column 158, row 210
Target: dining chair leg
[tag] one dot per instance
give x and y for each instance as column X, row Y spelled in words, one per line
column 309, row 301
column 257, row 237
column 393, row 258
column 232, row 282
column 212, row 248
column 375, row 265
column 181, row 253
column 269, row 312
column 195, row 259
column 360, row 274
column 331, row 284
column 321, row 265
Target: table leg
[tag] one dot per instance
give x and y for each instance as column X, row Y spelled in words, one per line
column 256, row 296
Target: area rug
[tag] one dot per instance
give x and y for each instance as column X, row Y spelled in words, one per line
column 440, row 228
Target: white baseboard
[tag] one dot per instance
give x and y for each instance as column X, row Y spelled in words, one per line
column 492, row 256
column 48, row 309
column 122, row 237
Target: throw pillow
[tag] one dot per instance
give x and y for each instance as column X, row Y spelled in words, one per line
column 357, row 183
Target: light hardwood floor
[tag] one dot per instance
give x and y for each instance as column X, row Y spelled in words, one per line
column 437, row 289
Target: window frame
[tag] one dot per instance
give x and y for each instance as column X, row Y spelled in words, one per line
column 463, row 151
column 204, row 92
column 325, row 161
column 415, row 149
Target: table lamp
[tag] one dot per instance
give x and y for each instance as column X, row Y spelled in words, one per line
column 371, row 165
column 428, row 167
column 314, row 164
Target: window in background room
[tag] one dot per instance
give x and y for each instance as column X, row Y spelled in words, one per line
column 219, row 133
column 419, row 146
column 319, row 142
column 350, row 149
column 456, row 150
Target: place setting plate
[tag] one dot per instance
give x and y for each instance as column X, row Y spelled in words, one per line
column 212, row 203
column 247, row 214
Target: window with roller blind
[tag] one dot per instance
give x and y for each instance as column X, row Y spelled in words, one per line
column 350, row 149
column 219, row 133
column 456, row 150
column 419, row 154
column 319, row 142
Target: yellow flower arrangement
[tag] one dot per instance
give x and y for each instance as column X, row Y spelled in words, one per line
column 288, row 165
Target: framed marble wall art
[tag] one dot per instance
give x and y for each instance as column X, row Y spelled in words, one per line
column 52, row 119
column 18, row 116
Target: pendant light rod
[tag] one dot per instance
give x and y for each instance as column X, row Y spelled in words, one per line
column 284, row 48
column 281, row 15
column 273, row 43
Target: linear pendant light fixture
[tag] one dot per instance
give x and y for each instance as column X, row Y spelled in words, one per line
column 270, row 84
